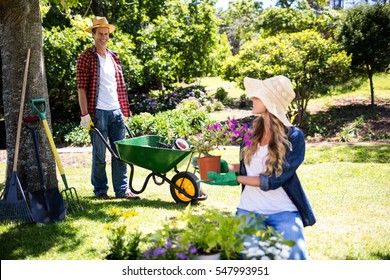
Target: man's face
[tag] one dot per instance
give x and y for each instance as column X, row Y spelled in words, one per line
column 101, row 36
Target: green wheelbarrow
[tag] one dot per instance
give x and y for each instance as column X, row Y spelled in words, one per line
column 155, row 154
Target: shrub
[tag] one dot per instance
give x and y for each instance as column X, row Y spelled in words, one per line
column 61, row 130
column 163, row 100
column 78, row 137
column 181, row 122
column 178, row 123
column 221, row 94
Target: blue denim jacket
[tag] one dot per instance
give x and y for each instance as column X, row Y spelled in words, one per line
column 289, row 180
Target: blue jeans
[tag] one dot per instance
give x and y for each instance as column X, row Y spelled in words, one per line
column 112, row 126
column 289, row 225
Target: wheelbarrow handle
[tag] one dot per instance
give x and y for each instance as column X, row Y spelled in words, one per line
column 131, row 134
column 105, row 142
column 35, row 102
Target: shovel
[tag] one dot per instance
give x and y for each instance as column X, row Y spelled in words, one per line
column 47, row 205
column 70, row 194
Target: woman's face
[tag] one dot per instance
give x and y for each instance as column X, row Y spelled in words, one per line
column 258, row 106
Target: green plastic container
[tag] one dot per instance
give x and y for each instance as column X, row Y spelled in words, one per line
column 144, row 152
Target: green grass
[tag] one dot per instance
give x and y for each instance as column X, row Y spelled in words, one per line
column 357, row 91
column 346, row 184
column 348, row 187
column 213, row 83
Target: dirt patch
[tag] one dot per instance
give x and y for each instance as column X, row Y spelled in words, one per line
column 350, row 120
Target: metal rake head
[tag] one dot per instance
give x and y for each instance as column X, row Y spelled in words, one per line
column 18, row 212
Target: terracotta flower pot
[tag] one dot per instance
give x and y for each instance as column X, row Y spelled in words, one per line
column 206, row 164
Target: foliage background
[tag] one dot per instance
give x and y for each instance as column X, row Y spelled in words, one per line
column 165, row 44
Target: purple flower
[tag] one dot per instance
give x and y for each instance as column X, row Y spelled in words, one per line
column 148, row 254
column 247, row 140
column 193, row 250
column 181, row 256
column 159, row 251
column 169, row 243
column 237, row 133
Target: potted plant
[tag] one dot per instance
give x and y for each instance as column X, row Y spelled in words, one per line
column 213, row 137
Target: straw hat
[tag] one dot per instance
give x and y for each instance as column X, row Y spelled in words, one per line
column 101, row 22
column 276, row 93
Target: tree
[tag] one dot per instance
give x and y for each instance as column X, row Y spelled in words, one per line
column 20, row 27
column 365, row 33
column 312, row 62
column 279, row 20
column 284, row 3
column 239, row 21
column 158, row 41
column 178, row 44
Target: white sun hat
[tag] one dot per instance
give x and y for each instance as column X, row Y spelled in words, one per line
column 276, row 93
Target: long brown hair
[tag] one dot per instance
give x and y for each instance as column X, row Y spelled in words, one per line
column 277, row 146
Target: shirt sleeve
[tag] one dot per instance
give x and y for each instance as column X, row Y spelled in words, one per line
column 82, row 71
column 294, row 158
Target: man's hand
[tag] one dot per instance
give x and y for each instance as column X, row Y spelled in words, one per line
column 86, row 122
column 223, row 179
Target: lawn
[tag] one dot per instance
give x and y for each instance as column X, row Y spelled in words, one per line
column 347, row 184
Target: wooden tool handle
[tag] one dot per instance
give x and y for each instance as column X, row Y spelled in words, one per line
column 21, row 112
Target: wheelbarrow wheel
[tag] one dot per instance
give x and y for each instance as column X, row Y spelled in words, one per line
column 188, row 182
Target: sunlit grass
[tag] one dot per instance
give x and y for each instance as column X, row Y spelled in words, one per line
column 347, row 186
column 360, row 94
column 213, row 83
column 351, row 202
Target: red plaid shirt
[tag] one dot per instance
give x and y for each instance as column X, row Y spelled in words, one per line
column 87, row 73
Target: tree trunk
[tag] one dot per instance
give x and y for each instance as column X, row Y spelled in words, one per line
column 370, row 77
column 21, row 28
column 98, row 8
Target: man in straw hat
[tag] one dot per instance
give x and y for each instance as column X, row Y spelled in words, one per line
column 267, row 170
column 104, row 103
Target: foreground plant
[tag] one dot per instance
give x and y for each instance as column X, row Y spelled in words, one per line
column 191, row 235
column 267, row 245
column 124, row 245
column 171, row 250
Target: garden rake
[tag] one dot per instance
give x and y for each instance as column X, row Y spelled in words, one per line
column 70, row 194
column 12, row 208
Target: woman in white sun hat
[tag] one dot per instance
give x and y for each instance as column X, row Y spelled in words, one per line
column 267, row 169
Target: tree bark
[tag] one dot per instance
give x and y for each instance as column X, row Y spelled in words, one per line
column 21, row 28
column 98, row 8
column 370, row 77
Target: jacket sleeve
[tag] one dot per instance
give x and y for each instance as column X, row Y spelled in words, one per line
column 294, row 158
